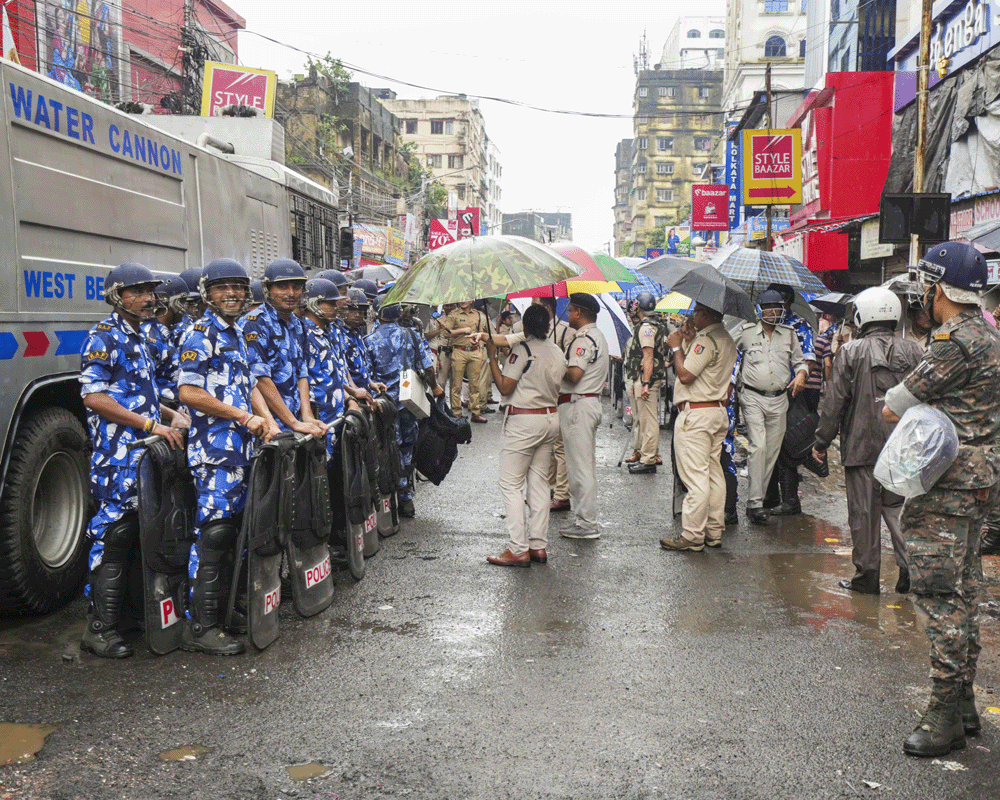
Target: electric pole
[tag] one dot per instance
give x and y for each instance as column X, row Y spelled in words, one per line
column 923, row 81
column 770, row 124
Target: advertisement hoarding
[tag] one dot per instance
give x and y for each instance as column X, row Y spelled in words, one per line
column 709, row 203
column 772, row 166
column 227, row 85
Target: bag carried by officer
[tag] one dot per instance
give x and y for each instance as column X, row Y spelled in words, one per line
column 438, row 440
column 308, row 554
column 264, row 535
column 167, row 505
column 388, row 467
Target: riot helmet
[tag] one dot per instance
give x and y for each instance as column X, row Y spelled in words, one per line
column 231, row 273
column 128, row 276
column 320, row 290
column 282, row 269
column 171, row 286
column 257, row 292
column 958, row 268
column 356, row 299
column 368, row 287
column 876, row 304
column 770, row 307
column 645, row 301
column 185, row 304
column 336, row 277
column 391, row 313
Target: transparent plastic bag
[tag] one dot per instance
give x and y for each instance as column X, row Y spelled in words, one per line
column 918, row 452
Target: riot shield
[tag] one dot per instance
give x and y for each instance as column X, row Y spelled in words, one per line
column 308, row 554
column 388, row 467
column 166, row 531
column 264, row 534
column 357, row 492
column 372, row 543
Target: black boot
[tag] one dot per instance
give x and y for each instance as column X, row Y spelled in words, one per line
column 903, row 582
column 209, row 593
column 107, row 594
column 940, row 731
column 788, row 479
column 991, row 542
column 967, row 707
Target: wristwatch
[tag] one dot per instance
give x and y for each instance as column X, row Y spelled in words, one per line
column 676, row 349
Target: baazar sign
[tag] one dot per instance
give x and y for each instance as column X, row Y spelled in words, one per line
column 227, row 85
column 772, row 166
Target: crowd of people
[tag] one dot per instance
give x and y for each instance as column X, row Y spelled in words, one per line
column 211, row 363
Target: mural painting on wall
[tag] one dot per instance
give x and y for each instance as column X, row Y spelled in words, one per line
column 80, row 45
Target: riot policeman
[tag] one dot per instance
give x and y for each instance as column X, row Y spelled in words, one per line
column 358, row 357
column 274, row 336
column 117, row 385
column 215, row 382
column 371, row 292
column 957, row 375
column 163, row 346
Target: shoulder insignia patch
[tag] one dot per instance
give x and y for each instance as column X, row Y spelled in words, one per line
column 581, row 350
column 103, row 326
column 699, row 349
column 251, row 337
column 93, row 355
column 942, row 337
column 201, row 328
column 512, row 359
column 189, row 355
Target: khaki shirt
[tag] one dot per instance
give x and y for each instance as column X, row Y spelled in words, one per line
column 465, row 319
column 537, row 366
column 588, row 351
column 710, row 356
column 564, row 335
column 435, row 342
column 769, row 361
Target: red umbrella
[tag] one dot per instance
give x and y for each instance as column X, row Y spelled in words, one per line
column 591, row 280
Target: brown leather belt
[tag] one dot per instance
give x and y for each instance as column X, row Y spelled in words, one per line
column 706, row 404
column 471, row 349
column 516, row 410
column 565, row 398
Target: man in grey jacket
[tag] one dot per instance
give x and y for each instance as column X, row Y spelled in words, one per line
column 864, row 369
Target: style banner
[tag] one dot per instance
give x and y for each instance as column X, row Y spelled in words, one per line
column 772, row 167
column 226, row 85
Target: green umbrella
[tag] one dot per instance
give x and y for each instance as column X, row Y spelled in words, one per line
column 480, row 266
column 612, row 269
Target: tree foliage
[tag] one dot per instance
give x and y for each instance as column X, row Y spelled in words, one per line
column 657, row 236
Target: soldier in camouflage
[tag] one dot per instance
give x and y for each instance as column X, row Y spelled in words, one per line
column 958, row 374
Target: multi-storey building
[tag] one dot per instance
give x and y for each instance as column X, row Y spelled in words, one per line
column 528, row 224
column 623, row 188
column 450, row 138
column 695, row 43
column 759, row 33
column 145, row 51
column 558, row 225
column 849, row 37
column 676, row 127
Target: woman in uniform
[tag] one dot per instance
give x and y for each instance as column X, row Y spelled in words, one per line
column 529, row 382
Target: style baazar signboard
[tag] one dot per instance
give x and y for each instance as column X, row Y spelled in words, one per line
column 226, row 85
column 772, row 166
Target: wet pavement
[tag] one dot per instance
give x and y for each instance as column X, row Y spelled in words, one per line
column 616, row 670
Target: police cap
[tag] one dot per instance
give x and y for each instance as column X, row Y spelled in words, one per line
column 585, row 302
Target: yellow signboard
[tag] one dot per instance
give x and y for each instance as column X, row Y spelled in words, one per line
column 772, row 167
column 227, row 85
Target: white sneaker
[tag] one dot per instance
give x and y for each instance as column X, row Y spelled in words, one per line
column 576, row 532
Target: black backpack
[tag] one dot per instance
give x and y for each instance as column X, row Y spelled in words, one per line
column 438, row 440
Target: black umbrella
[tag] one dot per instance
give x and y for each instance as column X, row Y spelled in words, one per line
column 667, row 269
column 832, row 302
column 706, row 285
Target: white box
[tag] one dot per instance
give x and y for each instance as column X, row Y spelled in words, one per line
column 412, row 394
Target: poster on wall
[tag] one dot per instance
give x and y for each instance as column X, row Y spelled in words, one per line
column 80, row 45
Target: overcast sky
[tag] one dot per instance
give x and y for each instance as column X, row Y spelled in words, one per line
column 545, row 53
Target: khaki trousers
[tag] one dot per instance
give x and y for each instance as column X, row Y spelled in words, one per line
column 868, row 503
column 486, row 382
column 558, row 482
column 765, row 419
column 579, row 422
column 466, row 364
column 524, row 466
column 698, row 437
column 645, row 425
column 443, row 369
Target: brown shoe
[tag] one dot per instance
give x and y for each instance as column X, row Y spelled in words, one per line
column 559, row 505
column 636, row 455
column 539, row 556
column 508, row 559
column 479, row 418
column 658, row 461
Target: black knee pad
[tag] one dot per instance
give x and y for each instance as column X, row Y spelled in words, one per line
column 218, row 538
column 120, row 538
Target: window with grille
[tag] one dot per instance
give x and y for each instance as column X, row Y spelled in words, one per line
column 718, row 34
column 774, row 47
column 641, row 195
column 703, row 91
column 694, row 34
column 671, row 91
column 455, row 162
column 641, row 167
column 643, row 142
column 314, row 234
column 411, row 126
column 449, row 126
column 664, row 168
column 775, row 6
column 664, row 195
column 664, row 142
column 437, row 126
column 643, row 91
column 702, row 143
column 434, row 161
column 662, row 91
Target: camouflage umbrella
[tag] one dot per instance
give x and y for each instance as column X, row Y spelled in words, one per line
column 481, row 266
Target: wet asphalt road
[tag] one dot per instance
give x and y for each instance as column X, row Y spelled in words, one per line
column 617, row 670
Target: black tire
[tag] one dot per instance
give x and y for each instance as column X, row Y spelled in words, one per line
column 44, row 513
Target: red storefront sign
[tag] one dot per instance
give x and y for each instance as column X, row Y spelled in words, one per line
column 710, row 207
column 439, row 235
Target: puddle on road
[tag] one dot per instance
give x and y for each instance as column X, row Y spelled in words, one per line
column 189, row 752
column 303, row 772
column 20, row 743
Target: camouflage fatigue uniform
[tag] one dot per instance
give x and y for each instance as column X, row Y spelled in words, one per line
column 958, row 374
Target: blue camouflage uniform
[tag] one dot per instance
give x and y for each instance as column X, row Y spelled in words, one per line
column 392, row 349
column 163, row 349
column 337, row 335
column 213, row 357
column 326, row 386
column 275, row 351
column 358, row 358
column 115, row 360
column 803, row 330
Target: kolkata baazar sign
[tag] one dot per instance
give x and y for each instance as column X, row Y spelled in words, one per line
column 772, row 167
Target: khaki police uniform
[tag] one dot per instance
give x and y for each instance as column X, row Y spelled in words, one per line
column 645, row 425
column 441, row 350
column 467, row 360
column 700, row 429
column 531, row 424
column 767, row 363
column 558, row 479
column 579, row 417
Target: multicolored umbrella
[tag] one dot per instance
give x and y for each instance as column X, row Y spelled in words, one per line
column 612, row 269
column 481, row 266
column 591, row 280
column 674, row 303
column 755, row 269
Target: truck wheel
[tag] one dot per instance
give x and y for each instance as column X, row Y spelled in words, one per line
column 45, row 510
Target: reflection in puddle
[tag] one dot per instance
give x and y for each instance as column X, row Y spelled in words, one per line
column 189, row 752
column 303, row 772
column 20, row 743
